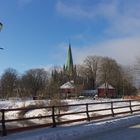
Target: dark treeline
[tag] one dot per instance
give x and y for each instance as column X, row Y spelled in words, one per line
column 94, row 71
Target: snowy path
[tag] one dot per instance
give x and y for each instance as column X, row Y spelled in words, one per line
column 127, row 133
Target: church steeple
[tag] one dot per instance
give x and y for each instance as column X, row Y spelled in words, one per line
column 69, row 61
column 1, row 25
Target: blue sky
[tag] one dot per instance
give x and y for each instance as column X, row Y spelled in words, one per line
column 36, row 33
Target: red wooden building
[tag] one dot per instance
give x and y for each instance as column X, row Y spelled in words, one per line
column 67, row 90
column 106, row 90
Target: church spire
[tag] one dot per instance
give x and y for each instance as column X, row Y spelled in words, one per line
column 1, row 25
column 69, row 61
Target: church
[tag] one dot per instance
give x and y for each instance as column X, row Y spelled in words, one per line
column 74, row 85
column 69, row 69
column 68, row 88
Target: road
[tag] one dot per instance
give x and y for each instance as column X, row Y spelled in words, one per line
column 127, row 133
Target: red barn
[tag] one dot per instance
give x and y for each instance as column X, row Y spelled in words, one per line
column 106, row 90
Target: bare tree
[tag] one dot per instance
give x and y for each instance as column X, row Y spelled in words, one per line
column 110, row 72
column 136, row 73
column 128, row 87
column 34, row 82
column 9, row 83
column 108, row 69
column 91, row 64
column 115, row 74
column 57, row 78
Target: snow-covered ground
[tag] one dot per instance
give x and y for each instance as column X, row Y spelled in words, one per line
column 75, row 132
column 42, row 112
column 68, row 132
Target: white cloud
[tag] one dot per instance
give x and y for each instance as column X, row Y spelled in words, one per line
column 124, row 51
column 23, row 3
column 87, row 11
column 123, row 16
column 71, row 10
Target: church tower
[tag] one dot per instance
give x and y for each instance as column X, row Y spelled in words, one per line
column 69, row 62
column 1, row 25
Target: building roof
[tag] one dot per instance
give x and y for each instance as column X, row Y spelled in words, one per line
column 106, row 85
column 67, row 85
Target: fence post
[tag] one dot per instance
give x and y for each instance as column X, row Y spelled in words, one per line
column 4, row 132
column 88, row 117
column 53, row 116
column 112, row 109
column 130, row 107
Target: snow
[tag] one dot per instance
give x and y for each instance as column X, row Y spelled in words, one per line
column 75, row 132
column 67, row 85
column 42, row 112
column 103, row 86
column 65, row 131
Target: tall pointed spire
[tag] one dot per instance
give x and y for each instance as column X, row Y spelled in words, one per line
column 69, row 61
column 1, row 25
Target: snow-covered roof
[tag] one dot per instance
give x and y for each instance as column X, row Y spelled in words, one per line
column 106, row 85
column 67, row 85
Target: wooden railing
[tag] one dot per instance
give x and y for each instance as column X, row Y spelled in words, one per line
column 132, row 106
